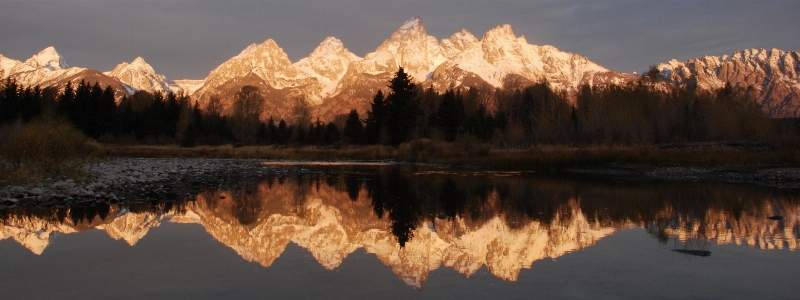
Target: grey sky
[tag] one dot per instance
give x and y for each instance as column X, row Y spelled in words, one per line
column 185, row 39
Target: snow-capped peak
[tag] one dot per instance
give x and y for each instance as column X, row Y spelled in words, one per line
column 47, row 58
column 457, row 43
column 412, row 24
column 139, row 75
column 139, row 62
column 411, row 29
column 328, row 63
column 463, row 35
column 267, row 46
column 329, row 45
column 499, row 33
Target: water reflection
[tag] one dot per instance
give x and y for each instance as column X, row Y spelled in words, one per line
column 416, row 221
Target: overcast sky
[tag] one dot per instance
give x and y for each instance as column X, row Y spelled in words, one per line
column 185, row 39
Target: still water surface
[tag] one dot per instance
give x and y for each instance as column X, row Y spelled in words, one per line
column 354, row 231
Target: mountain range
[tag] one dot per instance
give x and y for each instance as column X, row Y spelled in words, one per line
column 333, row 80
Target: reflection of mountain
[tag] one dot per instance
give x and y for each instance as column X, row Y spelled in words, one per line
column 459, row 222
column 130, row 226
column 328, row 224
column 748, row 228
column 36, row 231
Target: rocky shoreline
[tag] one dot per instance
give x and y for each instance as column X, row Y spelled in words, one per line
column 142, row 180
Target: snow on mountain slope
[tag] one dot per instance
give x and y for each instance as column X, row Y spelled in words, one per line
column 270, row 64
column 188, row 86
column 334, row 80
column 457, row 43
column 47, row 59
column 328, row 63
column 7, row 65
column 410, row 47
column 48, row 69
column 772, row 74
column 500, row 53
column 140, row 76
column 45, row 66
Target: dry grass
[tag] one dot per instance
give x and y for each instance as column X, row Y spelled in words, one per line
column 45, row 147
column 468, row 153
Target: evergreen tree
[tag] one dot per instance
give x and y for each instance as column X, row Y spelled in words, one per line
column 246, row 114
column 402, row 108
column 376, row 118
column 174, row 106
column 272, row 131
column 30, row 103
column 353, row 128
column 126, row 123
column 106, row 112
column 332, row 134
column 66, row 100
column 481, row 124
column 283, row 133
column 9, row 106
column 450, row 115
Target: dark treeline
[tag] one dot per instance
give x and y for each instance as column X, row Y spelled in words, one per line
column 644, row 112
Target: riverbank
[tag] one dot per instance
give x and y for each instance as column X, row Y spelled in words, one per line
column 541, row 158
column 138, row 180
column 160, row 180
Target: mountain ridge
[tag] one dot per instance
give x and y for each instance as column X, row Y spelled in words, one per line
column 333, row 80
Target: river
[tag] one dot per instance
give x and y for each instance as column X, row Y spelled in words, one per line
column 404, row 231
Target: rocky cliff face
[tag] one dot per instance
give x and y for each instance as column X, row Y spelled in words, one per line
column 772, row 75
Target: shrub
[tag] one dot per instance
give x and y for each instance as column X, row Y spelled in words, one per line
column 45, row 144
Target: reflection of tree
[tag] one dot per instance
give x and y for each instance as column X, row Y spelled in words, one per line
column 395, row 195
column 353, row 186
column 452, row 199
column 246, row 207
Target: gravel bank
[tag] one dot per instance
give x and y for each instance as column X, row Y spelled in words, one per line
column 138, row 180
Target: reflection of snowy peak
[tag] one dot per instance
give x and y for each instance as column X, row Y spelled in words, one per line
column 131, row 227
column 35, row 234
column 330, row 227
column 140, row 76
column 746, row 228
column 773, row 75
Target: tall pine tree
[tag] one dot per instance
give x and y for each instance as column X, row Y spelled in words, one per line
column 402, row 108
